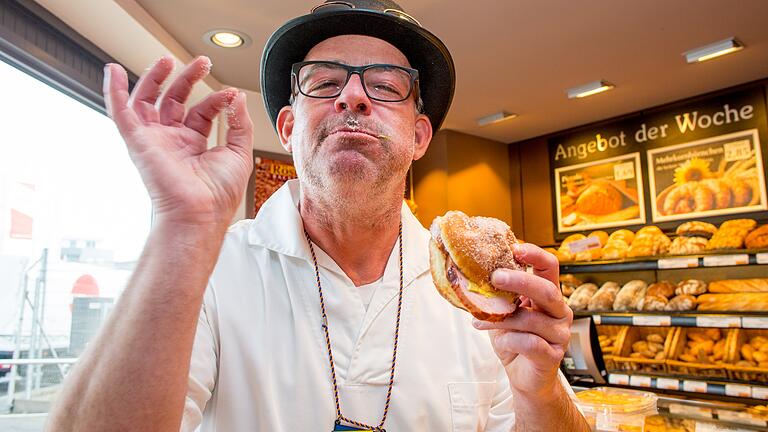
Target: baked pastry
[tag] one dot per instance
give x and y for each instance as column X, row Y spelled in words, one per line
column 739, row 224
column 630, row 295
column 463, row 253
column 616, row 249
column 579, row 300
column 604, row 297
column 687, row 245
column 600, row 198
column 602, row 235
column 649, row 241
column 622, row 234
column 652, row 303
column 649, row 229
column 757, row 239
column 731, row 234
column 739, row 286
column 696, row 229
column 691, row 287
column 683, row 302
column 733, row 302
column 568, row 284
column 661, row 288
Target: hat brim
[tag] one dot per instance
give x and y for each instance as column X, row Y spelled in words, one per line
column 426, row 53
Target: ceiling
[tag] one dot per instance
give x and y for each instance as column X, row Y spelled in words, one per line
column 521, row 56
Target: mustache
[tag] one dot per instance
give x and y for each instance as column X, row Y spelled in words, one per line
column 353, row 122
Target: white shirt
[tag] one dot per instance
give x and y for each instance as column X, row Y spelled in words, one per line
column 260, row 361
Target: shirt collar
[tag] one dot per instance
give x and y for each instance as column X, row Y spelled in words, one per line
column 278, row 227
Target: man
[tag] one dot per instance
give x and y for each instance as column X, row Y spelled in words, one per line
column 320, row 314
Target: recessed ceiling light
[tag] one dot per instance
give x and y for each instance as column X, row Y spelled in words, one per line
column 590, row 89
column 713, row 50
column 495, row 118
column 226, row 38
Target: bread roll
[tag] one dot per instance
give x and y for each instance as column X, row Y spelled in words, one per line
column 630, row 295
column 733, row 302
column 696, row 229
column 739, row 286
column 615, row 249
column 624, row 235
column 653, row 303
column 579, row 300
column 682, row 302
column 604, row 297
column 661, row 288
column 691, row 287
column 757, row 239
column 687, row 245
column 569, row 283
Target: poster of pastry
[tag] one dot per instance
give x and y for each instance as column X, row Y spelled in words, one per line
column 600, row 194
column 719, row 175
column 268, row 176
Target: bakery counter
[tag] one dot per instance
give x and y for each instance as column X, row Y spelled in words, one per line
column 724, row 258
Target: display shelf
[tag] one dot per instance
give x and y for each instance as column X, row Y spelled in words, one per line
column 714, row 259
column 690, row 385
column 757, row 320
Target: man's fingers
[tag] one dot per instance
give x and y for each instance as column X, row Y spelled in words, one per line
column 172, row 103
column 200, row 117
column 116, row 99
column 240, row 132
column 529, row 345
column 550, row 329
column 543, row 293
column 148, row 89
column 544, row 263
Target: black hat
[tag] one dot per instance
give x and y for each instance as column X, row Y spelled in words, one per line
column 382, row 19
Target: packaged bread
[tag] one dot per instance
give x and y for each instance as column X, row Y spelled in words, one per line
column 683, row 302
column 653, row 303
column 662, row 288
column 687, row 245
column 579, row 300
column 739, row 286
column 733, row 302
column 604, row 297
column 757, row 239
column 696, row 229
column 630, row 295
column 691, row 287
column 568, row 284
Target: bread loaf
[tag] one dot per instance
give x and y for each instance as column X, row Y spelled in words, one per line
column 682, row 302
column 630, row 295
column 757, row 239
column 733, row 302
column 579, row 300
column 604, row 297
column 691, row 287
column 661, row 288
column 739, row 286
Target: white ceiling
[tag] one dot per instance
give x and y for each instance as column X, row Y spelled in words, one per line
column 521, row 56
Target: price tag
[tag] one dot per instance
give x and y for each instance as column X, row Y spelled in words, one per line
column 760, row 392
column 640, row 381
column 694, row 386
column 754, row 322
column 737, row 150
column 652, row 320
column 626, row 170
column 618, row 379
column 762, row 258
column 718, row 321
column 597, row 319
column 737, row 390
column 690, row 410
column 667, row 383
column 584, row 245
column 569, row 363
column 677, row 263
column 739, row 417
column 726, row 260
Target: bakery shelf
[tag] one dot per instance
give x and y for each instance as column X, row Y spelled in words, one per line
column 757, row 320
column 714, row 259
column 690, row 385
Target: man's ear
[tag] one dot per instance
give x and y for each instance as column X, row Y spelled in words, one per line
column 285, row 119
column 423, row 135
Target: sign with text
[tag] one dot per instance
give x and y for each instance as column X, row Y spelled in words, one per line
column 701, row 158
column 601, row 194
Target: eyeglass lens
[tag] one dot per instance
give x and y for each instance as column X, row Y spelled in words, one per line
column 326, row 80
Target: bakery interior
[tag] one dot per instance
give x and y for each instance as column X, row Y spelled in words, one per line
column 629, row 139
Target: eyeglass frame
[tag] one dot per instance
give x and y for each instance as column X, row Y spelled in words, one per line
column 359, row 70
column 397, row 12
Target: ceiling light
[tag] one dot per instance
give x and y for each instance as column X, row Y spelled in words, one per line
column 713, row 50
column 495, row 118
column 226, row 38
column 585, row 90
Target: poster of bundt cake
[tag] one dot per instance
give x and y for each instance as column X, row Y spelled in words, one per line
column 709, row 177
column 600, row 194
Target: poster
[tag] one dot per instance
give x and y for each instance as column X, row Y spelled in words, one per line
column 600, row 194
column 708, row 177
column 268, row 176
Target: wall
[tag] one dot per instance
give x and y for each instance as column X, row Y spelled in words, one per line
column 535, row 192
column 463, row 172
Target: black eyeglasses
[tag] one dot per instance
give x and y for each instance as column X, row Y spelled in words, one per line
column 341, row 5
column 326, row 80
